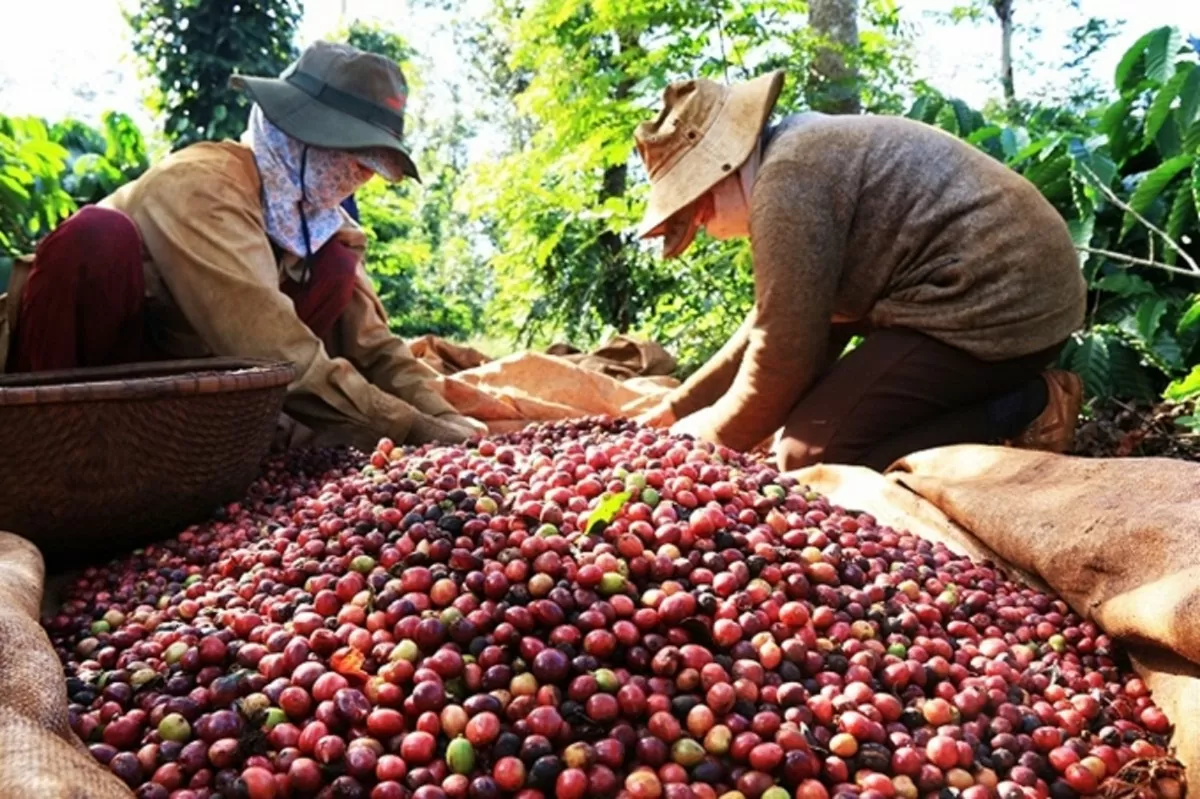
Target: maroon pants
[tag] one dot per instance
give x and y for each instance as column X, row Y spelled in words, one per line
column 322, row 300
column 901, row 392
column 82, row 302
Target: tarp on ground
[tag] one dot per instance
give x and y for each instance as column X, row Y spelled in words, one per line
column 624, row 377
column 621, row 357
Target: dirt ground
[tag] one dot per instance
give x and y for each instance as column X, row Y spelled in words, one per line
column 1123, row 429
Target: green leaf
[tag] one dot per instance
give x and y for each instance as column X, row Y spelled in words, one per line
column 1161, row 52
column 1127, row 375
column 1117, row 125
column 1125, row 284
column 1091, row 168
column 1107, row 365
column 548, row 245
column 1191, row 138
column 1049, row 176
column 1152, row 185
column 1160, row 107
column 1008, row 141
column 1127, row 74
column 925, row 109
column 1190, row 318
column 1090, row 359
column 615, row 206
column 983, row 134
column 1189, row 98
column 14, row 188
column 1167, row 350
column 1185, row 387
column 1032, row 149
column 1168, row 142
column 1189, row 423
column 1149, row 316
column 1179, row 220
column 1196, row 183
column 1082, row 229
column 607, row 510
column 1114, row 116
column 964, row 117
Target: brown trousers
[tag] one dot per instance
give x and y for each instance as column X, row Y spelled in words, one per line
column 900, row 392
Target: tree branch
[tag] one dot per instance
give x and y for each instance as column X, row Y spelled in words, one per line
column 1133, row 259
column 1167, row 240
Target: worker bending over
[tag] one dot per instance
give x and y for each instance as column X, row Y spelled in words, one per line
column 960, row 275
column 242, row 249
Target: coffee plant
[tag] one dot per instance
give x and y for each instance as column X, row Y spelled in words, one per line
column 46, row 172
column 1126, row 176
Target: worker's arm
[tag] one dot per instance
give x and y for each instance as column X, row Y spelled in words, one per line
column 713, row 379
column 366, row 340
column 798, row 241
column 217, row 264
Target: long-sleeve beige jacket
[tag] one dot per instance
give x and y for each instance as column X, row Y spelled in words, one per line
column 213, row 288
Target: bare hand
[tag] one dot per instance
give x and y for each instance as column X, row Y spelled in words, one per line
column 698, row 426
column 661, row 415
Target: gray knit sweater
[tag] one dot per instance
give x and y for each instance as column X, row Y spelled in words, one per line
column 892, row 223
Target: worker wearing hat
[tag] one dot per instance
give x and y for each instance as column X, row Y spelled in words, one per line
column 242, row 249
column 960, row 275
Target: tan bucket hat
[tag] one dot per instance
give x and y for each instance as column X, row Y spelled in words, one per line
column 337, row 97
column 705, row 131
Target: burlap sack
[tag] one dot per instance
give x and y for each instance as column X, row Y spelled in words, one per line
column 444, row 357
column 531, row 387
column 40, row 758
column 621, row 357
column 1118, row 540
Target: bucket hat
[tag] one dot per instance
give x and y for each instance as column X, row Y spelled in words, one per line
column 337, row 97
column 705, row 131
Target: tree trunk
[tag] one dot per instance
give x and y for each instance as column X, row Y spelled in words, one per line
column 1004, row 12
column 617, row 276
column 833, row 80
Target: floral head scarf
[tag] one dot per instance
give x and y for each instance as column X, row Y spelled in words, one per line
column 303, row 186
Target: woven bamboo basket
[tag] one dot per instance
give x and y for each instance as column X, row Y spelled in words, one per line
column 95, row 461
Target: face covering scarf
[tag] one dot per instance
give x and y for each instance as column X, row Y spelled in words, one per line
column 303, row 186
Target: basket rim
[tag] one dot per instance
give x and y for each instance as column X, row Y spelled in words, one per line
column 145, row 381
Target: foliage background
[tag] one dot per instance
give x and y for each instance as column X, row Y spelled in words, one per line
column 530, row 243
column 191, row 48
column 48, row 171
column 1125, row 174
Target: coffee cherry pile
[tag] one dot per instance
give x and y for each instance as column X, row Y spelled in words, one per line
column 586, row 609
